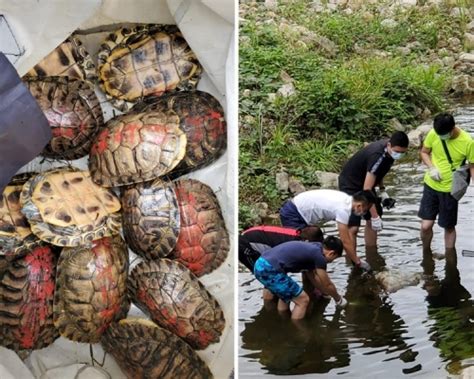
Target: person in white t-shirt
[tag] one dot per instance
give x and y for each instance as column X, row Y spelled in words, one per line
column 316, row 207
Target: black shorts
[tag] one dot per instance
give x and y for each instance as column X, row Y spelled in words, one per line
column 247, row 256
column 434, row 202
column 355, row 220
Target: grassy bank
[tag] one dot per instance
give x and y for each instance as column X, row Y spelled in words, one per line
column 351, row 74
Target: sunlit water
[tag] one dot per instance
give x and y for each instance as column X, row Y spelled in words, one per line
column 423, row 331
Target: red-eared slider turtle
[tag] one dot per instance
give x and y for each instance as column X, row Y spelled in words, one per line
column 201, row 118
column 145, row 60
column 26, row 300
column 90, row 289
column 203, row 241
column 150, row 218
column 144, row 351
column 14, row 227
column 66, row 208
column 73, row 112
column 70, row 59
column 137, row 147
column 176, row 300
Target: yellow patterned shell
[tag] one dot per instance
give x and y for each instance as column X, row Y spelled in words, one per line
column 66, row 208
column 143, row 61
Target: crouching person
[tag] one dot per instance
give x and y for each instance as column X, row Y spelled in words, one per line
column 272, row 269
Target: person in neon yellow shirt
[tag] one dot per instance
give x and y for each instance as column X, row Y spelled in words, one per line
column 436, row 199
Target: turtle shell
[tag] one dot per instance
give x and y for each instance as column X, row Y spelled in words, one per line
column 176, row 300
column 143, row 61
column 69, row 59
column 202, row 120
column 73, row 112
column 66, row 208
column 14, row 227
column 144, row 350
column 90, row 289
column 150, row 218
column 203, row 241
column 136, row 147
column 26, row 300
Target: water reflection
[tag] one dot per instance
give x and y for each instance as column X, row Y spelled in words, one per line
column 453, row 330
column 312, row 345
column 370, row 317
column 427, row 327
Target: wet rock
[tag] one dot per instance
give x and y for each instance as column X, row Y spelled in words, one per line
column 408, row 355
column 470, row 26
column 294, row 186
column 282, row 181
column 394, row 280
column 416, row 368
column 327, row 179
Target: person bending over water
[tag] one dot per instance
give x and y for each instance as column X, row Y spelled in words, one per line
column 272, row 269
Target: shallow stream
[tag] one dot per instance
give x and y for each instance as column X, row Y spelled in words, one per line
column 423, row 331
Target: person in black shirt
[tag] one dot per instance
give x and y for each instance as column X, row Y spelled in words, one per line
column 365, row 170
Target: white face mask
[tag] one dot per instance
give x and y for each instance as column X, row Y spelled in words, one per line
column 396, row 155
column 445, row 136
column 358, row 214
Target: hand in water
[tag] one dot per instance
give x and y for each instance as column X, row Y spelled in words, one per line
column 364, row 266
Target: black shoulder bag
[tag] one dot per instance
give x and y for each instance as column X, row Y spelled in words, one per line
column 461, row 176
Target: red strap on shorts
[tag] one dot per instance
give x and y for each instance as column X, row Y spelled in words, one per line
column 274, row 229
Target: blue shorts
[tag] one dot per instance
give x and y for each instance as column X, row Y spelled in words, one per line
column 290, row 217
column 279, row 283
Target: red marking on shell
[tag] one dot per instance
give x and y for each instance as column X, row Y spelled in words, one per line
column 143, row 296
column 129, row 133
column 63, row 132
column 205, row 338
column 105, row 243
column 41, row 284
column 26, row 336
column 100, row 144
column 216, row 129
column 214, row 114
column 103, row 267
